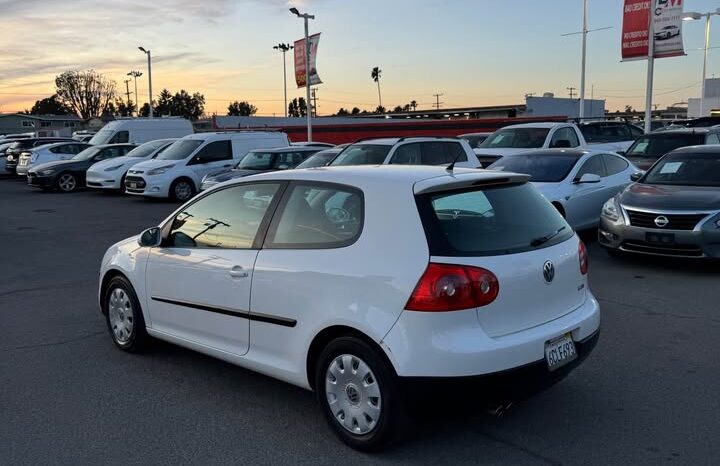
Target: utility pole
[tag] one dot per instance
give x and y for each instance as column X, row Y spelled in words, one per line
column 572, row 91
column 127, row 92
column 437, row 101
column 284, row 48
column 314, row 102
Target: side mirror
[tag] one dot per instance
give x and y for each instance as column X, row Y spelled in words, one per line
column 561, row 144
column 636, row 176
column 588, row 178
column 150, row 238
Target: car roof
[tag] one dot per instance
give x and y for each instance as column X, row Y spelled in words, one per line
column 700, row 149
column 393, row 141
column 557, row 152
column 289, row 149
column 481, row 133
column 219, row 134
column 700, row 130
column 541, row 124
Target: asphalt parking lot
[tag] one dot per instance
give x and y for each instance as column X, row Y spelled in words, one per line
column 648, row 395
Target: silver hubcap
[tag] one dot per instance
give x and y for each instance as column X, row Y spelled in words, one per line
column 353, row 394
column 67, row 182
column 183, row 190
column 121, row 315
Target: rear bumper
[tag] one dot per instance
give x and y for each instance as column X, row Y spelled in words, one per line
column 453, row 344
column 702, row 242
column 498, row 387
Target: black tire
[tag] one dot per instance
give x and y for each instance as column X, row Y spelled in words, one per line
column 66, row 182
column 182, row 198
column 123, row 188
column 137, row 337
column 392, row 412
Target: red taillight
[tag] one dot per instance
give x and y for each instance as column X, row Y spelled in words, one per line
column 582, row 254
column 448, row 287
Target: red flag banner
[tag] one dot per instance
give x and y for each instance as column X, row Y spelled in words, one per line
column 667, row 28
column 300, row 61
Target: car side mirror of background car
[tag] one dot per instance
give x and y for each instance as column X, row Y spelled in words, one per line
column 636, row 176
column 588, row 178
column 150, row 238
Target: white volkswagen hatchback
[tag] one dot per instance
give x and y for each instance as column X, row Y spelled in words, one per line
column 356, row 282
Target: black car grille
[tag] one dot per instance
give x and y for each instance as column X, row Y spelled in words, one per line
column 675, row 221
column 678, row 250
column 139, row 182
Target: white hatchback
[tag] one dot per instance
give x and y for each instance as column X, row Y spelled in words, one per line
column 359, row 282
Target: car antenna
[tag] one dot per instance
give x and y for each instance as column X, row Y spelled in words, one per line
column 452, row 165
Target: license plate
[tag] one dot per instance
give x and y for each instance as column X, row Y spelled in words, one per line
column 23, row 162
column 662, row 238
column 560, row 351
column 133, row 185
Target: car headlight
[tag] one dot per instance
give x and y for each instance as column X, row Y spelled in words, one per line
column 113, row 168
column 10, row 158
column 160, row 170
column 610, row 210
column 47, row 172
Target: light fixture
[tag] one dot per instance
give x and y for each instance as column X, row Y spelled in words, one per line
column 294, row 11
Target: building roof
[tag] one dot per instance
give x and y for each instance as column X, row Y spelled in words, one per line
column 43, row 117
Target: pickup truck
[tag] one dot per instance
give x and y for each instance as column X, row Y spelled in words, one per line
column 610, row 136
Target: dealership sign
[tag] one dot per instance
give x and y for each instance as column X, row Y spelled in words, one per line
column 300, row 65
column 667, row 28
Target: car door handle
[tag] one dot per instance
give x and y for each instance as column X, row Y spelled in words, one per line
column 238, row 272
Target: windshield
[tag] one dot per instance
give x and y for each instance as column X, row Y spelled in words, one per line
column 318, row 160
column 491, row 221
column 686, row 170
column 518, row 138
column 656, row 145
column 541, row 168
column 87, row 154
column 146, row 149
column 263, row 161
column 363, row 154
column 180, row 150
column 102, row 137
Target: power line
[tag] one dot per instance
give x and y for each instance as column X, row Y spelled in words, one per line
column 572, row 91
column 437, row 101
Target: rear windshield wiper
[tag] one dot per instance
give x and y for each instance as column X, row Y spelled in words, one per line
column 544, row 239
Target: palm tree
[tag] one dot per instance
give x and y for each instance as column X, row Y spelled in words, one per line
column 375, row 75
column 413, row 104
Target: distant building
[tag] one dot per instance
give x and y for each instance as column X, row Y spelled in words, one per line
column 549, row 105
column 43, row 125
column 712, row 101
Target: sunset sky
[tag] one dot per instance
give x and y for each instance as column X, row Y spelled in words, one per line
column 476, row 52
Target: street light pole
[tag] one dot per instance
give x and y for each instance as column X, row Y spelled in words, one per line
column 690, row 16
column 135, row 75
column 147, row 52
column 581, row 113
column 284, row 48
column 308, row 110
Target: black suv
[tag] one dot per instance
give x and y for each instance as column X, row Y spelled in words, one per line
column 21, row 145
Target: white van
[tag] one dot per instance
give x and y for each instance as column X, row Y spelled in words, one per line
column 177, row 171
column 141, row 130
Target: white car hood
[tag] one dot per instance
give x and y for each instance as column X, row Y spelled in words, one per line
column 124, row 160
column 150, row 164
column 500, row 152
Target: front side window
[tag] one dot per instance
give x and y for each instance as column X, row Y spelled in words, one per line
column 593, row 165
column 363, row 154
column 229, row 218
column 322, row 216
column 520, row 138
column 214, row 152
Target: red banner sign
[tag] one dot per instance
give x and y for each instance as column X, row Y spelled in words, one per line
column 667, row 28
column 635, row 29
column 300, row 61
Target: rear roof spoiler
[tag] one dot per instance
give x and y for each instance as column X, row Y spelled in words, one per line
column 458, row 181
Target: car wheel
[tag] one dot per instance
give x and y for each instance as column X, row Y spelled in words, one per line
column 67, row 182
column 123, row 188
column 124, row 315
column 359, row 394
column 181, row 190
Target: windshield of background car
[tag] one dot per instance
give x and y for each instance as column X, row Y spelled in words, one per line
column 490, row 221
column 520, row 138
column 87, row 154
column 319, row 159
column 146, row 149
column 656, row 145
column 180, row 150
column 686, row 170
column 363, row 154
column 260, row 161
column 102, row 137
column 541, row 167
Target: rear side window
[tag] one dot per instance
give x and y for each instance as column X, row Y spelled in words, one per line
column 593, row 165
column 429, row 153
column 713, row 139
column 614, row 164
column 490, row 221
column 318, row 217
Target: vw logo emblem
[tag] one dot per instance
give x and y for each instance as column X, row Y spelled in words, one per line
column 548, row 271
column 661, row 221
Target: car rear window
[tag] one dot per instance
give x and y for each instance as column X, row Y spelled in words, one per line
column 490, row 221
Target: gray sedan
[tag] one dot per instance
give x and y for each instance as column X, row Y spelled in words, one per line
column 673, row 210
